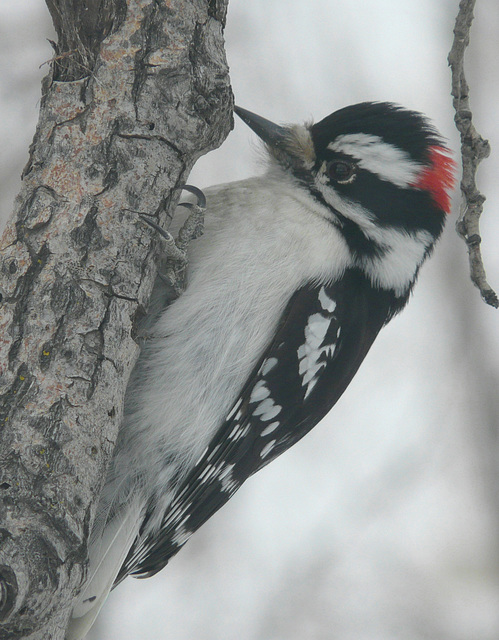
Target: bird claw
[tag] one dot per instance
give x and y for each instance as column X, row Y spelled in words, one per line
column 198, row 193
column 176, row 248
column 172, row 250
column 193, row 226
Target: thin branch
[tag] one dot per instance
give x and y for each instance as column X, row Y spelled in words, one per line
column 473, row 150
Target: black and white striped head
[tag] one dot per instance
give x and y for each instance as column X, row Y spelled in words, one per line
column 383, row 174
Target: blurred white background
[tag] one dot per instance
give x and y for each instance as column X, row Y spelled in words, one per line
column 384, row 522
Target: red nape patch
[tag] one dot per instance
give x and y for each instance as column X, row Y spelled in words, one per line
column 438, row 178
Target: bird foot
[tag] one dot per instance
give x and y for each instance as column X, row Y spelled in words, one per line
column 176, row 248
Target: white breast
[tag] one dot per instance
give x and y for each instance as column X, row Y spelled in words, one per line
column 264, row 238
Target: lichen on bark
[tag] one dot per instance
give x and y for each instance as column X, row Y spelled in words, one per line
column 137, row 92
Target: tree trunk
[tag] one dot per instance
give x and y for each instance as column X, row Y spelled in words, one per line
column 139, row 89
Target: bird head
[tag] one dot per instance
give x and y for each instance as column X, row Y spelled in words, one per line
column 382, row 172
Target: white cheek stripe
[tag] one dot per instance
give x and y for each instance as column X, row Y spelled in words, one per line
column 381, row 158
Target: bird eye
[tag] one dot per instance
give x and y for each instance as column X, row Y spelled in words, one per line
column 341, row 171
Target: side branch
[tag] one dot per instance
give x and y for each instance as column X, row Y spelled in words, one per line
column 473, row 150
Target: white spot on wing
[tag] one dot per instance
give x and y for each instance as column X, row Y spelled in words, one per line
column 181, row 536
column 229, row 485
column 226, row 470
column 310, row 366
column 205, row 451
column 238, row 431
column 260, row 391
column 271, row 427
column 327, row 303
column 267, row 448
column 234, row 409
column 316, row 328
column 268, row 365
column 271, row 413
column 310, row 353
column 221, row 471
column 267, row 409
column 213, row 452
column 206, row 473
column 310, row 386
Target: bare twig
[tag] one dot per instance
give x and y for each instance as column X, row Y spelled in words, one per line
column 473, row 150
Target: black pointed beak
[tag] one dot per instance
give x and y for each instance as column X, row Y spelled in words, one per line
column 272, row 134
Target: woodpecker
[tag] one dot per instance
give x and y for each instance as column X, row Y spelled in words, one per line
column 294, row 276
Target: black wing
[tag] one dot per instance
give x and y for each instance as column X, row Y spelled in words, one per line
column 320, row 342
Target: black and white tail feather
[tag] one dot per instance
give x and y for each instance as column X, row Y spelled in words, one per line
column 296, row 273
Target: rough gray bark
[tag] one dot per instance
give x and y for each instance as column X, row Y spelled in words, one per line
column 473, row 150
column 139, row 89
